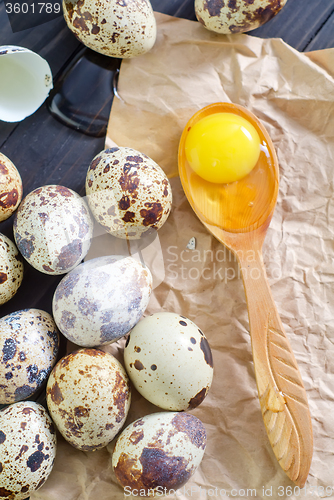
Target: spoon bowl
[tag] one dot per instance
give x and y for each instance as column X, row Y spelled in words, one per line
column 238, row 214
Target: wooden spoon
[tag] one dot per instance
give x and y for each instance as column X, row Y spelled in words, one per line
column 238, row 215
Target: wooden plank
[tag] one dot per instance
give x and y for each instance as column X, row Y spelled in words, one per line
column 324, row 38
column 298, row 23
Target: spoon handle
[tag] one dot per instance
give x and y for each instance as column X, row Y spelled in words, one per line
column 281, row 391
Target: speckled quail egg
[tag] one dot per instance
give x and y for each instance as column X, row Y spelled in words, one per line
column 159, row 452
column 11, row 269
column 117, row 28
column 53, row 229
column 29, row 342
column 128, row 193
column 169, row 361
column 237, row 16
column 101, row 300
column 10, row 188
column 27, row 449
column 88, row 396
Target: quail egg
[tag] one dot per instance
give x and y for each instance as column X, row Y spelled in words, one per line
column 53, row 229
column 169, row 361
column 236, row 16
column 117, row 29
column 29, row 342
column 101, row 300
column 88, row 396
column 27, row 449
column 10, row 188
column 158, row 453
column 128, row 193
column 11, row 269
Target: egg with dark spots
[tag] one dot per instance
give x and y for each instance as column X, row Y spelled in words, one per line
column 27, row 449
column 236, row 16
column 10, row 188
column 101, row 300
column 159, row 452
column 53, row 229
column 11, row 269
column 169, row 361
column 29, row 342
column 88, row 396
column 122, row 28
column 128, row 193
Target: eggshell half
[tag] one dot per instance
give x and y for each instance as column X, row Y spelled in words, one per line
column 53, row 229
column 11, row 269
column 27, row 449
column 10, row 187
column 117, row 28
column 128, row 193
column 101, row 300
column 159, row 453
column 236, row 16
column 169, row 361
column 29, row 342
column 88, row 396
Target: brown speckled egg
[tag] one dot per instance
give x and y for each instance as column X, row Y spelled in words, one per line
column 237, row 16
column 27, row 449
column 117, row 28
column 29, row 341
column 169, row 361
column 159, row 451
column 88, row 396
column 128, row 193
column 53, row 229
column 101, row 300
column 11, row 269
column 10, row 188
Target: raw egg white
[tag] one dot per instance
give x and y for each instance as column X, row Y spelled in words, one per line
column 222, row 147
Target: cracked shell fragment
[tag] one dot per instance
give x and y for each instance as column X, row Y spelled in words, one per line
column 29, row 342
column 128, row 193
column 160, row 355
column 159, row 451
column 11, row 269
column 101, row 300
column 236, row 16
column 88, row 396
column 27, row 449
column 10, row 188
column 116, row 28
column 53, row 229
column 25, row 82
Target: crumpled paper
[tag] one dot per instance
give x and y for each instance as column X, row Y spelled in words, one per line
column 292, row 94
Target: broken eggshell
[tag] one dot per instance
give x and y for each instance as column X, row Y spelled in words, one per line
column 25, row 83
column 237, row 16
column 115, row 28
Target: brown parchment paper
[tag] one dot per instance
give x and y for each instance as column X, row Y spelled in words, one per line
column 292, row 94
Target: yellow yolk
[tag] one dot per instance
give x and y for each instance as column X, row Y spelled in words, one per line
column 222, row 147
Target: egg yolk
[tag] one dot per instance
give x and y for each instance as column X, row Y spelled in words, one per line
column 222, row 147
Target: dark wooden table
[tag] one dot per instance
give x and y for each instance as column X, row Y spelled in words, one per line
column 47, row 152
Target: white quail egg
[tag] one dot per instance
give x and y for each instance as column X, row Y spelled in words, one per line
column 101, row 300
column 88, row 396
column 11, row 269
column 128, row 193
column 10, row 188
column 27, row 449
column 29, row 342
column 53, row 229
column 158, row 453
column 116, row 28
column 169, row 361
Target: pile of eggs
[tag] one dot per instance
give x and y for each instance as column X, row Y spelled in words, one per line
column 97, row 302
